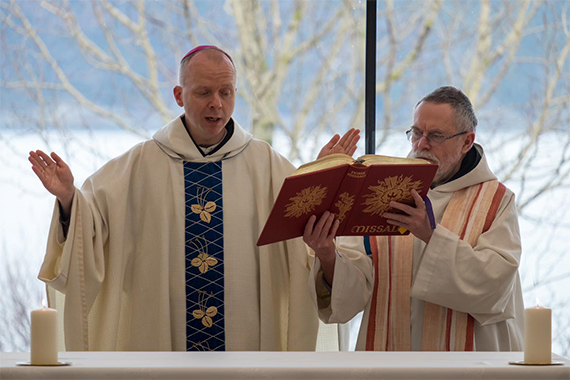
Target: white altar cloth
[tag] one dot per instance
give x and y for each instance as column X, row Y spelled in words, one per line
column 283, row 365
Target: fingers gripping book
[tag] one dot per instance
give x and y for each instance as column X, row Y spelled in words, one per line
column 357, row 191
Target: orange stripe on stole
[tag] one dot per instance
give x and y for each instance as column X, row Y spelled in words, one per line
column 492, row 213
column 470, row 213
column 499, row 194
column 374, row 306
column 389, row 320
column 400, row 324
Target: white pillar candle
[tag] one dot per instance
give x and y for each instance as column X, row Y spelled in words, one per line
column 44, row 336
column 537, row 335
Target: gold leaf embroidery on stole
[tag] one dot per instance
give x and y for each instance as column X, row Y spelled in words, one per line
column 201, row 346
column 203, row 313
column 203, row 208
column 204, row 261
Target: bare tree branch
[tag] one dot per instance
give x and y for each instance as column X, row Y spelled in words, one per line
column 63, row 78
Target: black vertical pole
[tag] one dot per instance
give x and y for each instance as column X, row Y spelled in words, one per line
column 370, row 79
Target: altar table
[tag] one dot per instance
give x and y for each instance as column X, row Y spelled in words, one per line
column 283, row 365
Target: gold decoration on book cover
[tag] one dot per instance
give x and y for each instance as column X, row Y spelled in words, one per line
column 395, row 188
column 344, row 205
column 305, row 201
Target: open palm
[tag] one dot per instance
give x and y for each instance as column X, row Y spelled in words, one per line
column 54, row 174
column 345, row 144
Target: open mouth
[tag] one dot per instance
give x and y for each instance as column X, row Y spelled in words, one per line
column 213, row 119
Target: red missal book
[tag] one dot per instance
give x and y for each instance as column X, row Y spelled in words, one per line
column 357, row 191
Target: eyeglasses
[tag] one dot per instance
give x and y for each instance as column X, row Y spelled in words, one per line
column 414, row 135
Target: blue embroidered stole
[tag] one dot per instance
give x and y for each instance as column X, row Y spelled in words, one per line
column 204, row 235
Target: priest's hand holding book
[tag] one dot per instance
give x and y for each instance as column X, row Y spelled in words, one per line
column 416, row 219
column 319, row 234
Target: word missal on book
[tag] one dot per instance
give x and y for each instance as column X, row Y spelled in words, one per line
column 357, row 191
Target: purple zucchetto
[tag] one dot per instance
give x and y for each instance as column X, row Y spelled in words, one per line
column 204, row 47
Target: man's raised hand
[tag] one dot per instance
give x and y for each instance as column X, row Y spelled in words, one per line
column 345, row 144
column 55, row 176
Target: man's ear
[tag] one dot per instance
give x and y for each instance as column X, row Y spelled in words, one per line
column 468, row 142
column 178, row 95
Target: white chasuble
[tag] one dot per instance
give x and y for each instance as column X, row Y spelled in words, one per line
column 119, row 276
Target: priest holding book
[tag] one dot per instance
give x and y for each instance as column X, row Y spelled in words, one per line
column 156, row 252
column 452, row 284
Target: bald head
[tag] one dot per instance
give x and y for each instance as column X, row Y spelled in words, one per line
column 211, row 53
column 207, row 94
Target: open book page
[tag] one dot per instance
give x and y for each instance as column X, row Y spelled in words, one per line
column 330, row 161
column 338, row 159
column 376, row 159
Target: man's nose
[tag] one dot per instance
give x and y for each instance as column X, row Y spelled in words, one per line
column 423, row 143
column 216, row 101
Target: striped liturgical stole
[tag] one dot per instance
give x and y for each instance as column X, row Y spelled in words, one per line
column 204, row 236
column 469, row 213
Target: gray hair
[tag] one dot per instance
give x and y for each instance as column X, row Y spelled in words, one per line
column 465, row 118
column 210, row 51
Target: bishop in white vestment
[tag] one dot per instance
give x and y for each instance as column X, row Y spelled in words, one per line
column 157, row 251
column 121, row 273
